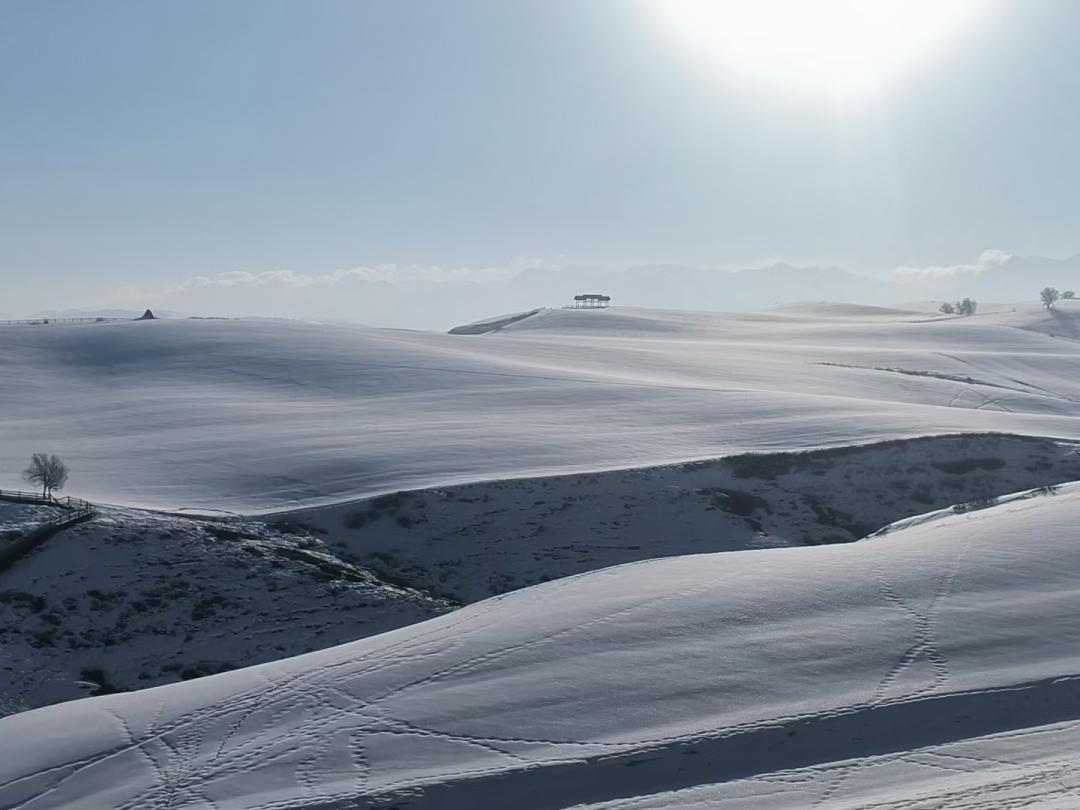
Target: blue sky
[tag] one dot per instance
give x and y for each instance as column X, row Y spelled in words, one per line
column 144, row 145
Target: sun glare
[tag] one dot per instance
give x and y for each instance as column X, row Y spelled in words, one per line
column 839, row 47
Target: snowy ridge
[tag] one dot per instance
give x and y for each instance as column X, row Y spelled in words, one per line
column 882, row 674
column 971, row 506
column 311, row 414
column 492, row 324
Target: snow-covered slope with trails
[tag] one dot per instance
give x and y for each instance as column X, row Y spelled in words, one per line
column 134, row 599
column 255, row 416
column 932, row 666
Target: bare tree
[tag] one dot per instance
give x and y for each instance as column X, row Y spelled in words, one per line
column 1048, row 296
column 948, row 308
column 47, row 471
column 1068, row 295
column 967, row 306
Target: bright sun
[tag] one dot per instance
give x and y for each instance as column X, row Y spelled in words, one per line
column 840, row 47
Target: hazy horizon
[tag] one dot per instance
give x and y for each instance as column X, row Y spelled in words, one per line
column 421, row 298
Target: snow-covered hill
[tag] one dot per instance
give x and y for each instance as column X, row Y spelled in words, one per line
column 133, row 599
column 933, row 666
column 256, row 416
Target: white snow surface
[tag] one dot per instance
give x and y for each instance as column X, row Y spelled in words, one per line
column 261, row 416
column 934, row 666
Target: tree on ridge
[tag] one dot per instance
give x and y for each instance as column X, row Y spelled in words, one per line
column 48, row 472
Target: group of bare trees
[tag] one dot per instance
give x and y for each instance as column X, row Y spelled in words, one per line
column 1049, row 296
column 965, row 307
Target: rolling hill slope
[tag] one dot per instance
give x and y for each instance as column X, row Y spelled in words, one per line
column 258, row 416
column 933, row 666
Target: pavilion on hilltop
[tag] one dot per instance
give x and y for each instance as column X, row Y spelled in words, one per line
column 590, row 301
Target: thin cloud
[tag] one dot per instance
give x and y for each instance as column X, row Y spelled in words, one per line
column 406, row 295
column 382, row 273
column 988, row 260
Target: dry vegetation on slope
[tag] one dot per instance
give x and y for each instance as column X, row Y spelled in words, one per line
column 473, row 541
column 136, row 599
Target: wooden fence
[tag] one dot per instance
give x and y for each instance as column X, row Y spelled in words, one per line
column 75, row 508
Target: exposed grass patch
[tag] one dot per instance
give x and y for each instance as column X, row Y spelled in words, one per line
column 21, row 599
column 735, row 501
column 296, row 527
column 962, row 466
